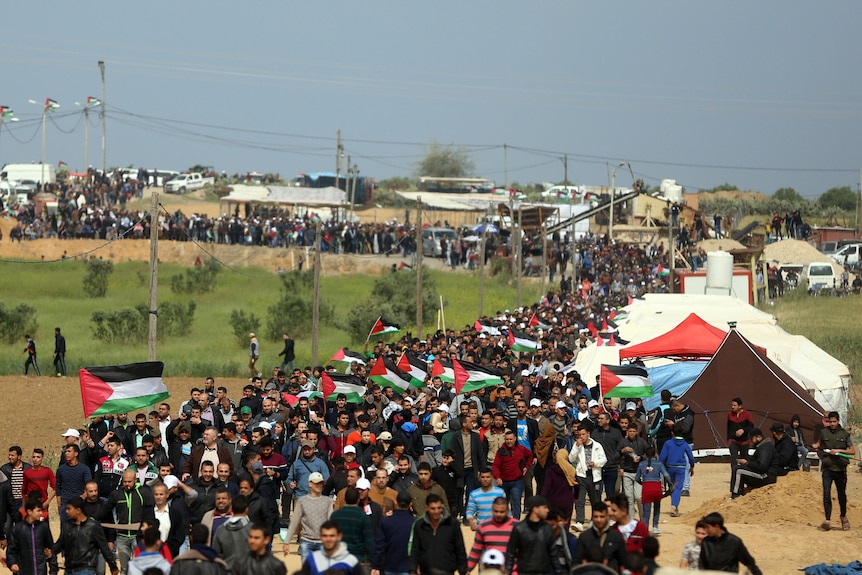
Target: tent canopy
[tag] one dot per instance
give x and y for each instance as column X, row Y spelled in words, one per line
column 739, row 369
column 692, row 338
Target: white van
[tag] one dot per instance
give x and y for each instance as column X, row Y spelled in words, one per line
column 431, row 240
column 818, row 275
column 848, row 255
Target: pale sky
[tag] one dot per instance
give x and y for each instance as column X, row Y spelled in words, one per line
column 759, row 94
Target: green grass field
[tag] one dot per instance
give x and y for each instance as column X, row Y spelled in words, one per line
column 56, row 291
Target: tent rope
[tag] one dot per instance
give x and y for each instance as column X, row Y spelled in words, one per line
column 715, row 435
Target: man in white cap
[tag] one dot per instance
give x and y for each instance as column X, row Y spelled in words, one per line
column 372, row 509
column 535, row 413
column 492, row 562
column 309, row 514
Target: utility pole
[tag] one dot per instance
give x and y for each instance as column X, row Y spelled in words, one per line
column 566, row 171
column 545, row 263
column 420, row 247
column 506, row 165
column 338, row 159
column 482, row 262
column 613, row 197
column 44, row 110
column 670, row 253
column 86, row 137
column 152, row 334
column 315, row 310
column 520, row 262
column 104, row 122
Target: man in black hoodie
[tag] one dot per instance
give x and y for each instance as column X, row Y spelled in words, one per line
column 437, row 543
column 756, row 471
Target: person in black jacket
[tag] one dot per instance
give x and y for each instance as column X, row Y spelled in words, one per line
column 786, row 456
column 287, row 352
column 59, row 353
column 723, row 551
column 81, row 540
column 600, row 540
column 133, row 504
column 532, row 542
column 437, row 543
column 757, row 471
column 393, row 538
column 30, row 542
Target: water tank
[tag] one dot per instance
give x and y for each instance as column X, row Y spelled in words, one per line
column 671, row 190
column 719, row 271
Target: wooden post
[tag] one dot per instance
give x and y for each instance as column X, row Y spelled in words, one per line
column 419, row 249
column 315, row 309
column 153, row 331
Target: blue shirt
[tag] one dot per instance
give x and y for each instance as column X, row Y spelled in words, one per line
column 479, row 503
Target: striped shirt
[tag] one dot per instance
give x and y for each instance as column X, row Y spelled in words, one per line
column 479, row 503
column 490, row 535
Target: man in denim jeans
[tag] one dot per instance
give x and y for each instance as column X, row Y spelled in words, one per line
column 310, row 513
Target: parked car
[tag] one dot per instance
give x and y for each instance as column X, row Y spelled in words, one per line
column 431, row 240
column 187, row 183
column 817, row 275
column 847, row 255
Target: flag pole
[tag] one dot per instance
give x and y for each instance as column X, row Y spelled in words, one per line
column 442, row 314
column 367, row 339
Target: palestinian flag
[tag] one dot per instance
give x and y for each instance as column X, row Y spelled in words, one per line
column 519, row 341
column 380, row 327
column 121, row 388
column 624, row 381
column 443, row 369
column 334, row 383
column 536, row 322
column 348, row 356
column 387, row 374
column 6, row 112
column 91, row 101
column 478, row 376
column 594, row 331
column 414, row 367
column 662, row 271
column 461, row 375
column 483, row 327
column 51, row 104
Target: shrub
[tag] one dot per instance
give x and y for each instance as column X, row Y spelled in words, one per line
column 96, row 280
column 14, row 323
column 197, row 280
column 132, row 324
column 294, row 310
column 242, row 324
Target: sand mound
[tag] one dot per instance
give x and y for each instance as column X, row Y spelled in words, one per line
column 797, row 252
column 722, row 245
column 795, row 498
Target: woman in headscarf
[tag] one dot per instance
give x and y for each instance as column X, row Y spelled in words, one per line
column 561, row 484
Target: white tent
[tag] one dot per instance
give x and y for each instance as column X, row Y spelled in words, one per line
column 826, row 378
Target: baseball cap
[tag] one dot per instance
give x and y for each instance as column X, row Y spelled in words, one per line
column 265, row 425
column 171, row 481
column 483, row 336
column 560, row 405
column 385, row 436
column 256, row 467
column 245, row 409
column 493, row 557
column 535, row 402
column 315, row 477
column 593, row 403
column 350, row 449
column 251, row 334
column 443, row 407
column 307, row 443
column 631, row 406
column 363, row 483
column 71, row 433
column 534, row 501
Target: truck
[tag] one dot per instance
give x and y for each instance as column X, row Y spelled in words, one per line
column 34, row 172
column 187, row 183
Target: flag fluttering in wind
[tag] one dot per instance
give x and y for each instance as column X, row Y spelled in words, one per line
column 121, row 388
column 416, row 368
column 334, row 383
column 381, row 327
column 624, row 381
column 348, row 356
column 488, row 328
column 51, row 104
column 460, row 374
column 387, row 374
column 519, row 341
column 91, row 101
column 443, row 370
column 478, row 376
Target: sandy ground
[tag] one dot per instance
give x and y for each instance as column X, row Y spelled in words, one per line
column 778, row 523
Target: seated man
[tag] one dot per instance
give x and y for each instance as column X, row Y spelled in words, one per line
column 754, row 472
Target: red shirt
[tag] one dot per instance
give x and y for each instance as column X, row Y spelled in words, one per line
column 634, row 539
column 38, row 480
column 509, row 464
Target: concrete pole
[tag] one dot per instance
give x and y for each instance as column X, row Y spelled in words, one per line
column 315, row 309
column 419, row 249
column 152, row 333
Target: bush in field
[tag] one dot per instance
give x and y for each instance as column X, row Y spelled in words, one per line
column 293, row 311
column 196, row 280
column 96, row 280
column 393, row 297
column 132, row 324
column 14, row 323
column 242, row 324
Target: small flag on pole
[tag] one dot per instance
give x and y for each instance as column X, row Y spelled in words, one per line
column 348, row 356
column 51, row 104
column 461, row 375
column 380, row 327
column 91, row 101
column 519, row 341
column 414, row 367
column 121, row 388
column 387, row 374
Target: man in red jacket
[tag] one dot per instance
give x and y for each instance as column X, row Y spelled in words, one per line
column 511, row 464
column 633, row 531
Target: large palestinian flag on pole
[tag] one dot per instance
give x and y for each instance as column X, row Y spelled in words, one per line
column 519, row 341
column 121, row 388
column 415, row 367
column 624, row 381
column 334, row 383
column 387, row 374
column 479, row 376
column 443, row 369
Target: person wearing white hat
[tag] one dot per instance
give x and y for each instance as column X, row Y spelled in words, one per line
column 310, row 513
column 439, row 421
column 492, row 562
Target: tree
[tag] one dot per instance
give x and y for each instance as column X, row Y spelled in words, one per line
column 445, row 162
column 788, row 196
column 725, row 187
column 294, row 308
column 842, row 198
column 96, row 280
column 399, row 183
